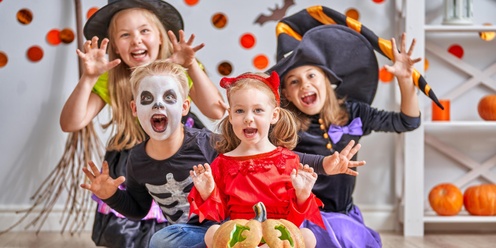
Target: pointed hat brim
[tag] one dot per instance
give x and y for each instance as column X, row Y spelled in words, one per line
column 98, row 23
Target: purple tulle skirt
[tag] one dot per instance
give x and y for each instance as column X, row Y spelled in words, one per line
column 344, row 231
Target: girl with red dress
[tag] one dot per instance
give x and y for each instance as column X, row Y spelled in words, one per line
column 255, row 163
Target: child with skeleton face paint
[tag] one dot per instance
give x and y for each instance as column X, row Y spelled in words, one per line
column 158, row 168
column 160, row 102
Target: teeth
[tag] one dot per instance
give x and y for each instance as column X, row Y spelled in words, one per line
column 139, row 52
column 308, row 94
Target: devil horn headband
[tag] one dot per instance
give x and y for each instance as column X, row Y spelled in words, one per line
column 272, row 81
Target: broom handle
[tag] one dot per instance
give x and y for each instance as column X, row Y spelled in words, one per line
column 79, row 33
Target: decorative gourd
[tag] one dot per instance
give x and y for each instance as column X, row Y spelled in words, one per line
column 487, row 108
column 446, row 199
column 251, row 233
column 480, row 199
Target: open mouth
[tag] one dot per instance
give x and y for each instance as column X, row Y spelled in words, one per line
column 139, row 54
column 249, row 132
column 159, row 123
column 309, row 98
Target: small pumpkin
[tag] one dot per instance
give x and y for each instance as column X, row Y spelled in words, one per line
column 480, row 199
column 487, row 108
column 446, row 199
column 251, row 233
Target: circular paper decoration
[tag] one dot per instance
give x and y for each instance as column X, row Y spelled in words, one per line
column 91, row 11
column 224, row 68
column 385, row 76
column 35, row 53
column 3, row 59
column 219, row 20
column 353, row 13
column 487, row 36
column 191, row 2
column 247, row 40
column 260, row 61
column 378, row 1
column 24, row 16
column 53, row 37
column 66, row 35
column 456, row 50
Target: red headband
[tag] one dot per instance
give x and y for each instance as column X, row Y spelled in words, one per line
column 272, row 82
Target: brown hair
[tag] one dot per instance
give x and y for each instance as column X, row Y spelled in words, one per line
column 282, row 133
column 128, row 132
column 333, row 111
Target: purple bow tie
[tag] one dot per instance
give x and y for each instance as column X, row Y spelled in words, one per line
column 336, row 132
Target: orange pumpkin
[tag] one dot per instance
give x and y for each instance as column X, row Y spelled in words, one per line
column 446, row 199
column 480, row 199
column 487, row 108
column 240, row 233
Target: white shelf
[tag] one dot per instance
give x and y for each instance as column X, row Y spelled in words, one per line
column 444, row 137
column 449, row 126
column 459, row 28
column 462, row 217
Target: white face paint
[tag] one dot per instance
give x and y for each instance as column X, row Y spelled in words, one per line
column 159, row 106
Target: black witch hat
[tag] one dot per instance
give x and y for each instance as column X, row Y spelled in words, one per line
column 308, row 37
column 99, row 22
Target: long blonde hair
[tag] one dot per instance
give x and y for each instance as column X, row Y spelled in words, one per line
column 127, row 130
column 282, row 133
column 333, row 111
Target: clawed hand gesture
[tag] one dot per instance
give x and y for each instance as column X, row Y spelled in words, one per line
column 94, row 57
column 184, row 53
column 101, row 184
column 403, row 63
column 303, row 180
column 203, row 179
column 341, row 163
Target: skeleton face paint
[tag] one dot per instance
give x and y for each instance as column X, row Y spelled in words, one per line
column 159, row 106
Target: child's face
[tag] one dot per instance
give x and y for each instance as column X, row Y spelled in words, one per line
column 305, row 87
column 136, row 39
column 251, row 113
column 159, row 106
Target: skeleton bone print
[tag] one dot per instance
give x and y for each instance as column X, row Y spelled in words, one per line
column 172, row 198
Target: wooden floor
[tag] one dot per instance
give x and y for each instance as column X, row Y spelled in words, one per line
column 390, row 240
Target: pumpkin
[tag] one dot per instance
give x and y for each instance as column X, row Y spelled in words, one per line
column 480, row 199
column 251, row 233
column 446, row 199
column 487, row 108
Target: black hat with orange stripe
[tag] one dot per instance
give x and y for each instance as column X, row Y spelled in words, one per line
column 344, row 51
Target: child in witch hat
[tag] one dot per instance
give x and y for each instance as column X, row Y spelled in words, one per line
column 329, row 77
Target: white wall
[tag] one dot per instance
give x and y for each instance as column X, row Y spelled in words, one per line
column 34, row 93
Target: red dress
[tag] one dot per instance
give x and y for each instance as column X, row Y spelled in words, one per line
column 241, row 182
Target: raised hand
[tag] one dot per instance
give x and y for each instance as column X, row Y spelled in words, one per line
column 101, row 184
column 203, row 179
column 403, row 63
column 184, row 52
column 403, row 70
column 341, row 163
column 303, row 180
column 94, row 58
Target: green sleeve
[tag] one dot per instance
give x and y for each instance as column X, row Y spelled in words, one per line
column 190, row 81
column 101, row 88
